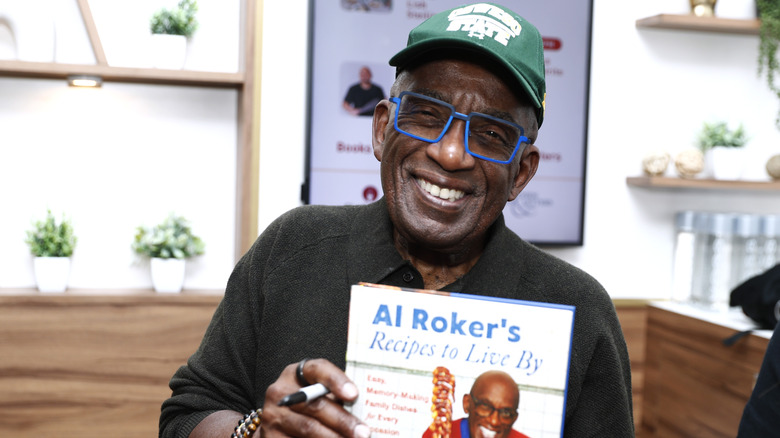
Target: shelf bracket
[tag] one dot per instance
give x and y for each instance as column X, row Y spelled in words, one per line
column 94, row 38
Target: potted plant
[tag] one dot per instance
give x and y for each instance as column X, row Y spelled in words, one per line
column 724, row 149
column 170, row 30
column 769, row 41
column 52, row 246
column 168, row 245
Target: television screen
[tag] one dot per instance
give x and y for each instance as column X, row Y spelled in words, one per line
column 352, row 41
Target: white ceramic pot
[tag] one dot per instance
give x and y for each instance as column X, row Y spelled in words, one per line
column 168, row 274
column 168, row 51
column 52, row 273
column 726, row 163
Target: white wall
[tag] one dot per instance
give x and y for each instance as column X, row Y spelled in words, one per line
column 650, row 89
column 283, row 97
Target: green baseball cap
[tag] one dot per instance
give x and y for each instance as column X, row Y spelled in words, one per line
column 489, row 29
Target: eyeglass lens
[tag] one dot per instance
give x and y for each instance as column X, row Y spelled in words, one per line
column 428, row 119
column 485, row 409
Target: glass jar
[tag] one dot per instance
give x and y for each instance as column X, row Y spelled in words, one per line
column 715, row 267
column 745, row 250
column 684, row 250
column 768, row 242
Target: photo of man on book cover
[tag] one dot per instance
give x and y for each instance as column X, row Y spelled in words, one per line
column 491, row 406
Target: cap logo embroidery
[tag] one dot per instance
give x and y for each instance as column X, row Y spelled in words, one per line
column 481, row 20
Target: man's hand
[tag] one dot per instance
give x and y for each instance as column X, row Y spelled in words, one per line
column 323, row 417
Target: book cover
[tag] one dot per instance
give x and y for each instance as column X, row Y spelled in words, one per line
column 416, row 355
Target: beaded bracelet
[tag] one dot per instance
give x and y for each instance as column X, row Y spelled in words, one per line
column 248, row 425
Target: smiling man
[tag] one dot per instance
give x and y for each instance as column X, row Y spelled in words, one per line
column 455, row 142
column 491, row 406
column 441, row 198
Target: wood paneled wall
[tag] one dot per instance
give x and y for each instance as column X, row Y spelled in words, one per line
column 93, row 365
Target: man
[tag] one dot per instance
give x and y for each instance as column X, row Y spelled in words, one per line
column 362, row 97
column 439, row 226
column 491, row 406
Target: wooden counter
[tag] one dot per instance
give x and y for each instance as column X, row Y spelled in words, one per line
column 89, row 364
column 695, row 386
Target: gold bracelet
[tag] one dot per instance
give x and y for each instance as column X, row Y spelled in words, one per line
column 248, row 425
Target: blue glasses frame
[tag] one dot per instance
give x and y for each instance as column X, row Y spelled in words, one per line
column 460, row 116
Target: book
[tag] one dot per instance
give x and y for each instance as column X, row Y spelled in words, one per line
column 415, row 355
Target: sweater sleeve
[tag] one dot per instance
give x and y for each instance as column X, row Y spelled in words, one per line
column 603, row 406
column 219, row 375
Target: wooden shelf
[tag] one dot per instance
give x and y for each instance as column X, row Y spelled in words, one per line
column 121, row 74
column 54, row 70
column 704, row 24
column 704, row 184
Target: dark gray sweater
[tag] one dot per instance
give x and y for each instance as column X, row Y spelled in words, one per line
column 288, row 298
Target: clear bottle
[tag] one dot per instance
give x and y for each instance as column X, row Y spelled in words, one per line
column 745, row 249
column 768, row 242
column 717, row 262
column 700, row 280
column 684, row 250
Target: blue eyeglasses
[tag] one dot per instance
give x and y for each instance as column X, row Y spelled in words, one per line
column 428, row 119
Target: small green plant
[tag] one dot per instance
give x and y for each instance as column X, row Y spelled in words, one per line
column 769, row 41
column 178, row 21
column 719, row 134
column 173, row 238
column 49, row 239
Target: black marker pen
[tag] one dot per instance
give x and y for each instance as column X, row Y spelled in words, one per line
column 306, row 394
